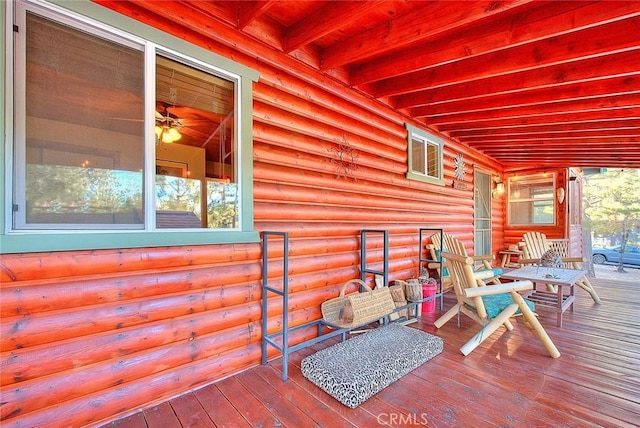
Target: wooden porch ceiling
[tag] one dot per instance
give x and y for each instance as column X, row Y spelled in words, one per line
column 527, row 82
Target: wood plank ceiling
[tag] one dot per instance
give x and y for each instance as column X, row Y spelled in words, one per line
column 546, row 83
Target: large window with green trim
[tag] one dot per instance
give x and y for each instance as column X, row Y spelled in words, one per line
column 115, row 132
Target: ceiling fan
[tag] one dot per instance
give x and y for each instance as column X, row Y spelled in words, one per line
column 174, row 122
column 167, row 126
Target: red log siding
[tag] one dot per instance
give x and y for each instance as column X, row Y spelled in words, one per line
column 89, row 335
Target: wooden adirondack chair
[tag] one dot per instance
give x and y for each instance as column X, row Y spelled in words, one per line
column 491, row 306
column 535, row 244
column 482, row 264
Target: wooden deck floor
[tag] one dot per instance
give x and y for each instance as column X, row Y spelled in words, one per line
column 509, row 381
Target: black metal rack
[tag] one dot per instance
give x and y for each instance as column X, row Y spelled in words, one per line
column 423, row 261
column 280, row 339
column 364, row 269
column 429, row 263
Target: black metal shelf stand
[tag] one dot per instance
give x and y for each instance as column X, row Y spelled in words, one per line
column 427, row 262
column 280, row 339
column 364, row 269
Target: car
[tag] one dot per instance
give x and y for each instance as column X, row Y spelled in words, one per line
column 612, row 255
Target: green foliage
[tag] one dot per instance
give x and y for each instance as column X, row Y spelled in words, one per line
column 67, row 190
column 222, row 205
column 57, row 192
column 613, row 201
column 612, row 204
column 178, row 194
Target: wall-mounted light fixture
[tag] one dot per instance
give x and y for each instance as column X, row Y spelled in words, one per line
column 498, row 189
column 560, row 194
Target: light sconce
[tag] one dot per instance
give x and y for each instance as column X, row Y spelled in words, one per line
column 166, row 128
column 498, row 190
column 560, row 195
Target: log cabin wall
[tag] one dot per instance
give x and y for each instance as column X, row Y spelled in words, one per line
column 91, row 335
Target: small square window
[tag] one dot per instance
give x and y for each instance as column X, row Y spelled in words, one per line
column 424, row 155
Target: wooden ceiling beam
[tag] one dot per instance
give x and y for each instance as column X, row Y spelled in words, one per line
column 219, row 11
column 579, row 136
column 611, row 161
column 324, row 21
column 597, row 134
column 561, row 156
column 550, row 20
column 606, row 87
column 558, row 118
column 601, row 104
column 514, row 166
column 540, row 143
column 618, row 159
column 602, row 159
column 547, row 146
column 585, row 71
column 551, row 128
column 532, row 152
column 602, row 41
column 539, row 148
column 250, row 11
column 432, row 19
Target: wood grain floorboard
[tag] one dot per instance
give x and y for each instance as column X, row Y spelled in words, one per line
column 508, row 381
column 222, row 413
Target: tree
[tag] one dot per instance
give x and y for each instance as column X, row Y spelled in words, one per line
column 59, row 190
column 612, row 203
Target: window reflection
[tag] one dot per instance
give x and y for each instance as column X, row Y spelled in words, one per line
column 196, row 182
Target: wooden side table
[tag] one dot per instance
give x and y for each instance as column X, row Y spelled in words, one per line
column 506, row 258
column 554, row 276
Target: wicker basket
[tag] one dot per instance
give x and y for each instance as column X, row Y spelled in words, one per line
column 354, row 309
column 399, row 300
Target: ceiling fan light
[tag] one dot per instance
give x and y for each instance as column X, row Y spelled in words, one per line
column 174, row 134
column 158, row 131
column 166, row 137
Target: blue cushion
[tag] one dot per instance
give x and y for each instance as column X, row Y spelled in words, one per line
column 445, row 271
column 496, row 303
column 494, row 271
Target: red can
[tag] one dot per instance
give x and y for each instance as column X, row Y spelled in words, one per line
column 429, row 290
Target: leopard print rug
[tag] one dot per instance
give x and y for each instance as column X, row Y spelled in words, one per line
column 354, row 370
